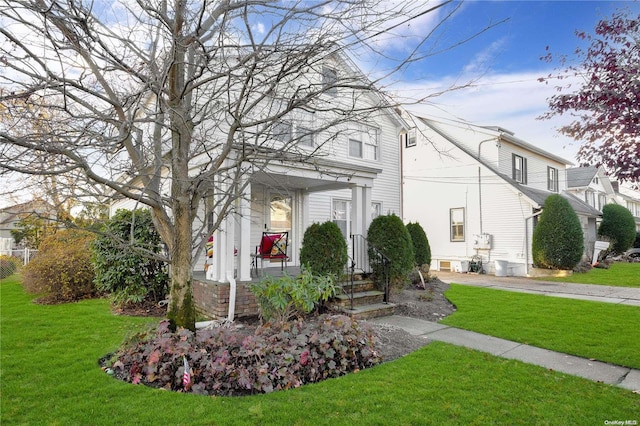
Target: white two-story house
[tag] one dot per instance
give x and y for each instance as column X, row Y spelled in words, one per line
column 477, row 191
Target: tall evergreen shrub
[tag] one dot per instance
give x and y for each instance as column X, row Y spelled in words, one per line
column 324, row 249
column 619, row 225
column 420, row 243
column 389, row 235
column 124, row 259
column 557, row 242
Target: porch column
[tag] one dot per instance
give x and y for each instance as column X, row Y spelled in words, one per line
column 360, row 209
column 244, row 251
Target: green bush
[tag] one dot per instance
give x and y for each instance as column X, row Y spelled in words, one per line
column 619, row 225
column 62, row 271
column 8, row 265
column 389, row 235
column 280, row 299
column 420, row 244
column 324, row 249
column 636, row 243
column 557, row 241
column 124, row 262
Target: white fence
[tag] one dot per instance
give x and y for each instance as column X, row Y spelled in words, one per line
column 24, row 254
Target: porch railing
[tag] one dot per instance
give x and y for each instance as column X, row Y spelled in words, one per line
column 363, row 255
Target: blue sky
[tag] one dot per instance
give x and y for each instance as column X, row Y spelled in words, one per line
column 504, row 64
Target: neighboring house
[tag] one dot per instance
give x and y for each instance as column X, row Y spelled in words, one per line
column 591, row 185
column 477, row 191
column 629, row 198
column 12, row 215
column 354, row 176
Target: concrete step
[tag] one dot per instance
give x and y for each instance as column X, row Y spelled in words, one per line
column 358, row 286
column 370, row 311
column 360, row 298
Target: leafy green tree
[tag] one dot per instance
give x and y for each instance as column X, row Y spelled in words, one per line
column 324, row 249
column 420, row 243
column 619, row 225
column 388, row 235
column 32, row 230
column 125, row 259
column 557, row 241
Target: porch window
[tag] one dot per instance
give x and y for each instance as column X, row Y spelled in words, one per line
column 341, row 216
column 519, row 168
column 552, row 179
column 456, row 217
column 329, row 80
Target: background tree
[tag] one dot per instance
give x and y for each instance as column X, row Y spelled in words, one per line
column 619, row 225
column 170, row 103
column 606, row 104
column 557, row 241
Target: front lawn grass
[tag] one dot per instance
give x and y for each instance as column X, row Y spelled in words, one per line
column 619, row 274
column 49, row 374
column 602, row 331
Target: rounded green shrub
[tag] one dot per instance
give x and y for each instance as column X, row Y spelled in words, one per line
column 388, row 235
column 619, row 225
column 420, row 243
column 557, row 241
column 124, row 260
column 324, row 249
column 62, row 271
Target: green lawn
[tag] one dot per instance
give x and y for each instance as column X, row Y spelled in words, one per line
column 49, row 375
column 603, row 331
column 619, row 274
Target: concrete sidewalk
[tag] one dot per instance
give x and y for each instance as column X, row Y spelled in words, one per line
column 593, row 370
column 597, row 293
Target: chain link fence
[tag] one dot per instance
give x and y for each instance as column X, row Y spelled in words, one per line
column 14, row 258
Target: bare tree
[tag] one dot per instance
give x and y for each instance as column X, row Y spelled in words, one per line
column 171, row 102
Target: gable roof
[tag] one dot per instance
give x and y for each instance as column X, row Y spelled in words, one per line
column 536, row 196
column 580, row 176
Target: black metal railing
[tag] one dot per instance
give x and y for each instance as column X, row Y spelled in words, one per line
column 364, row 256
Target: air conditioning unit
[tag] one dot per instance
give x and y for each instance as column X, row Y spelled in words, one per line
column 482, row 241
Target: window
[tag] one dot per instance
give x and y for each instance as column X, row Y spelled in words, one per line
column 456, row 217
column 282, row 131
column 602, row 200
column 329, row 80
column 304, row 136
column 519, row 169
column 341, row 216
column 364, row 144
column 552, row 179
column 410, row 139
column 590, row 198
column 376, row 210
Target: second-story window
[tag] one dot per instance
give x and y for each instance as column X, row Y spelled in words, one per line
column 456, row 217
column 519, row 169
column 305, row 137
column 364, row 145
column 329, row 80
column 282, row 131
column 552, row 179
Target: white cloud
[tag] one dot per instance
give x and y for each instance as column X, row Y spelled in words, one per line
column 512, row 101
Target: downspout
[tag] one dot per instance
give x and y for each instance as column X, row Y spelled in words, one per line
column 480, row 178
column 526, row 241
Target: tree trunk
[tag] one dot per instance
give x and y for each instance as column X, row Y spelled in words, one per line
column 181, row 304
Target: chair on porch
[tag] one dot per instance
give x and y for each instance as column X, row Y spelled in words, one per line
column 273, row 246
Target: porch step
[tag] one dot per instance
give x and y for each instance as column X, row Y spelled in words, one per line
column 360, row 298
column 358, row 286
column 370, row 311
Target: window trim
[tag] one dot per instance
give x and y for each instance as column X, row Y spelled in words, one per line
column 452, row 224
column 329, row 80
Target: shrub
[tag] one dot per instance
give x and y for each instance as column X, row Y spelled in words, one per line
column 619, row 225
column 324, row 249
column 123, row 260
column 420, row 244
column 62, row 270
column 8, row 265
column 225, row 362
column 388, row 235
column 636, row 243
column 557, row 238
column 280, row 299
